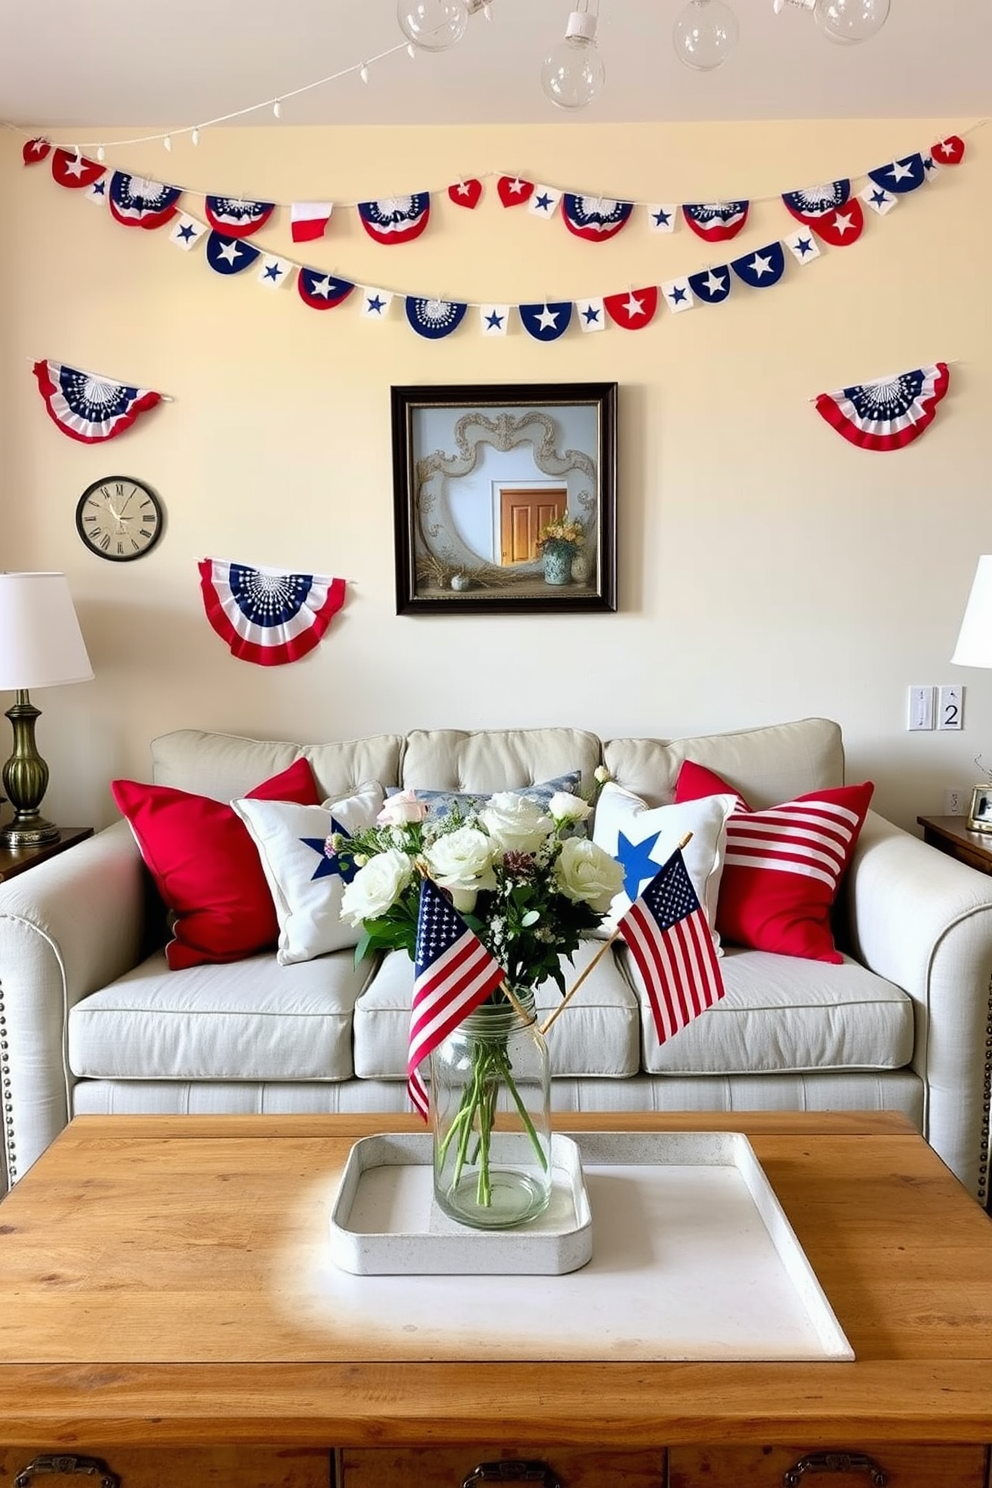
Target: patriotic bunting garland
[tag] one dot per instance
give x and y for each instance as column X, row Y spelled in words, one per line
column 888, row 413
column 830, row 214
column 87, row 406
column 268, row 615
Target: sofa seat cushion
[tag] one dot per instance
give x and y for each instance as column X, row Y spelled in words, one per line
column 597, row 1034
column 254, row 1020
column 782, row 1015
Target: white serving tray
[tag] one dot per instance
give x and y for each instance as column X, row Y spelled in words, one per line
column 385, row 1220
column 692, row 1258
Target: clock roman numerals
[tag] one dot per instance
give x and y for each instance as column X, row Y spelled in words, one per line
column 119, row 518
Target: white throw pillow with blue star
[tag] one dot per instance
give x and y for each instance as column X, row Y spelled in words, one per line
column 306, row 885
column 642, row 838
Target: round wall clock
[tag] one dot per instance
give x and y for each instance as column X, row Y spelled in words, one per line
column 119, row 518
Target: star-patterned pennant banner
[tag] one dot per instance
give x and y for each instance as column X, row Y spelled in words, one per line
column 74, row 171
column 716, row 222
column 396, row 219
column 633, row 310
column 235, row 217
column 466, row 193
column 713, row 287
column 888, row 413
column 321, row 291
column 268, row 615
column 494, row 320
column 87, row 406
column 546, row 322
column 761, row 269
column 187, row 232
column 275, row 272
column 544, row 202
column 901, row 176
column 662, row 217
column 96, row 194
column 135, row 202
column 878, row 199
column 678, row 295
column 829, row 211
column 594, row 218
column 802, row 245
column 434, row 319
column 513, row 191
column 227, row 255
column 591, row 315
column 375, row 303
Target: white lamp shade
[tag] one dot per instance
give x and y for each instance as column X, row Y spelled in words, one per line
column 974, row 647
column 41, row 644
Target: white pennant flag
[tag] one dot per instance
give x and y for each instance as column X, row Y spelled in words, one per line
column 275, row 271
column 662, row 217
column 931, row 170
column 97, row 192
column 880, row 200
column 186, row 231
column 678, row 295
column 544, row 201
column 592, row 315
column 803, row 245
column 309, row 220
column 375, row 303
column 494, row 320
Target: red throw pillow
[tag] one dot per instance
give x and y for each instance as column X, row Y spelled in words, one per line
column 783, row 865
column 206, row 867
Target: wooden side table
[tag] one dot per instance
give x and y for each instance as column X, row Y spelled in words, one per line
column 14, row 860
column 950, row 834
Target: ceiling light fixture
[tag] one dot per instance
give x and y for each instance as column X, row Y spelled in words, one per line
column 843, row 20
column 573, row 71
column 705, row 34
column 433, row 25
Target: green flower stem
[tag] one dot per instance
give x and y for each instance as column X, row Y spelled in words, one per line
column 476, row 1114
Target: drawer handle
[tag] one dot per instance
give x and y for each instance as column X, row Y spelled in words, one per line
column 66, row 1466
column 512, row 1470
column 835, row 1462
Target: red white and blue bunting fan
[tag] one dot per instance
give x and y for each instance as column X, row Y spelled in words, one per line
column 594, row 218
column 396, row 219
column 888, row 413
column 829, row 210
column 87, row 406
column 322, row 291
column 715, row 222
column 135, row 202
column 434, row 319
column 268, row 615
column 235, row 217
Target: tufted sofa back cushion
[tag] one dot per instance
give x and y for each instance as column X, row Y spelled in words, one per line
column 767, row 765
column 225, row 766
column 489, row 760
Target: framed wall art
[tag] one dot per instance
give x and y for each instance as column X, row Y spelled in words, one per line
column 505, row 498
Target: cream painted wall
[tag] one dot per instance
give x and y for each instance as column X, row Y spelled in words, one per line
column 768, row 569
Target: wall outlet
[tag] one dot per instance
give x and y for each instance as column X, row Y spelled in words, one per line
column 920, row 708
column 950, row 709
column 955, row 801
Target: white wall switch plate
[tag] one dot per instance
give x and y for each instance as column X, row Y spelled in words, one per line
column 920, row 708
column 950, row 709
column 954, row 802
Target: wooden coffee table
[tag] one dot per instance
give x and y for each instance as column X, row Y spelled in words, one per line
column 151, row 1322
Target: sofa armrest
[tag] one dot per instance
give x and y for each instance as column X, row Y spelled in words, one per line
column 67, row 927
column 923, row 920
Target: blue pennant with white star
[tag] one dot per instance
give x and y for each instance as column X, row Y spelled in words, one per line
column 638, row 865
column 236, row 217
column 434, row 319
column 763, row 268
column 322, row 291
column 227, row 255
column 901, row 176
column 546, row 322
column 713, row 287
column 135, row 202
column 331, row 866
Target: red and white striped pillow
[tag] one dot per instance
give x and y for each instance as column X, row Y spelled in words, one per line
column 783, row 865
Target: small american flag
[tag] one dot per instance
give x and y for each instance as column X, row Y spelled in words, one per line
column 666, row 931
column 454, row 974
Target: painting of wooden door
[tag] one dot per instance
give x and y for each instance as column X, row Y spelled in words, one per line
column 523, row 511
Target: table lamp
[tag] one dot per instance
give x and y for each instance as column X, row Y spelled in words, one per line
column 974, row 647
column 40, row 646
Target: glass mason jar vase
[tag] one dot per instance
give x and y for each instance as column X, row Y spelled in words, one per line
column 490, row 1108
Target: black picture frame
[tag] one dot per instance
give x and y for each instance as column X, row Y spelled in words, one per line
column 476, row 468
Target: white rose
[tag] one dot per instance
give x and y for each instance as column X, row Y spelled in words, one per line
column 462, row 862
column 403, row 807
column 587, row 874
column 515, row 823
column 566, row 807
column 376, row 887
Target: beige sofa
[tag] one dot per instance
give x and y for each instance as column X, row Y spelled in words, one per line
column 91, row 1020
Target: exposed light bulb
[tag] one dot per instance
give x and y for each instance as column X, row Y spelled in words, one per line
column 277, row 109
column 195, row 136
column 363, row 73
column 850, row 20
column 433, row 25
column 573, row 71
column 101, row 153
column 167, row 141
column 705, row 34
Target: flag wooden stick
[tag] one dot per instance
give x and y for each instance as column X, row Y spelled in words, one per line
column 595, row 960
column 518, row 1006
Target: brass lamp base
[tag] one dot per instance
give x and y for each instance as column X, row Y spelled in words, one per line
column 25, row 779
column 31, row 833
